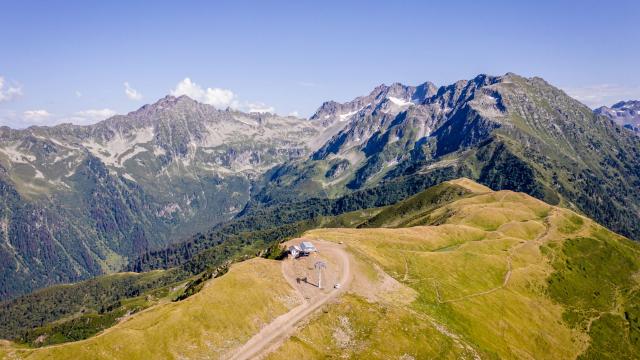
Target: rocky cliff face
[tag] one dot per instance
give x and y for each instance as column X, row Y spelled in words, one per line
column 76, row 201
column 507, row 132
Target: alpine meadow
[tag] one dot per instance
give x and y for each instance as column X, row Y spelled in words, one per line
column 228, row 180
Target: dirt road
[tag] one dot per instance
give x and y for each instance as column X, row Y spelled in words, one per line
column 272, row 335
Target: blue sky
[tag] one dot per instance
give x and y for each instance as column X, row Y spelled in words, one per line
column 70, row 60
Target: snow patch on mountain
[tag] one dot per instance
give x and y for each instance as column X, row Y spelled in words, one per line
column 137, row 149
column 624, row 113
column 399, row 102
column 128, row 177
column 346, row 116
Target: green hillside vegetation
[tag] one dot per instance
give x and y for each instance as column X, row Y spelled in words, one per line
column 211, row 323
column 456, row 271
column 409, row 212
column 74, row 312
column 507, row 132
column 508, row 275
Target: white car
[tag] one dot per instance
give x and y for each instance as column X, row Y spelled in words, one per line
column 336, row 286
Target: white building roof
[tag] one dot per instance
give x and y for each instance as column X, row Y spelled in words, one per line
column 307, row 246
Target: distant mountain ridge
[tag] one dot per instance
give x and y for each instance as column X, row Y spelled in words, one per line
column 507, row 132
column 624, row 113
column 77, row 201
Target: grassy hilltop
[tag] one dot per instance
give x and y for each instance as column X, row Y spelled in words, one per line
column 512, row 276
column 457, row 271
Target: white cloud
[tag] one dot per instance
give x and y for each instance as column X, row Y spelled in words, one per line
column 603, row 94
column 294, row 113
column 259, row 108
column 9, row 92
column 98, row 114
column 85, row 117
column 131, row 93
column 36, row 116
column 220, row 98
column 19, row 120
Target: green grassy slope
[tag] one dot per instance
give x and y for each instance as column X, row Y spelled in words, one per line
column 72, row 312
column 508, row 275
column 485, row 274
column 209, row 324
column 410, row 212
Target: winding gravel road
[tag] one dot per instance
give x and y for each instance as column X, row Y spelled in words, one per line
column 280, row 329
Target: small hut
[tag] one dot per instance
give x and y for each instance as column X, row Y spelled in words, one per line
column 295, row 251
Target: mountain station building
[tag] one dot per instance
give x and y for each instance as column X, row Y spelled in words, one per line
column 304, row 249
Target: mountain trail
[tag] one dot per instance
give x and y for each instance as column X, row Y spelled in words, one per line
column 274, row 334
column 507, row 275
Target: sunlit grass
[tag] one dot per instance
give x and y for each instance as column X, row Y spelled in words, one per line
column 227, row 312
column 503, row 275
column 459, row 270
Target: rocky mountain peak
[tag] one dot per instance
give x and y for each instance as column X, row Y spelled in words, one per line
column 131, row 182
column 624, row 113
column 179, row 165
column 424, row 91
column 168, row 103
column 386, row 98
column 629, row 104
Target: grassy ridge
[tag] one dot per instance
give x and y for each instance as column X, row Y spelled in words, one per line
column 507, row 274
column 69, row 313
column 409, row 211
column 209, row 323
column 498, row 275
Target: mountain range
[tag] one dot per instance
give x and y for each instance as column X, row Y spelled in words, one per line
column 507, row 132
column 457, row 271
column 624, row 113
column 78, row 201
